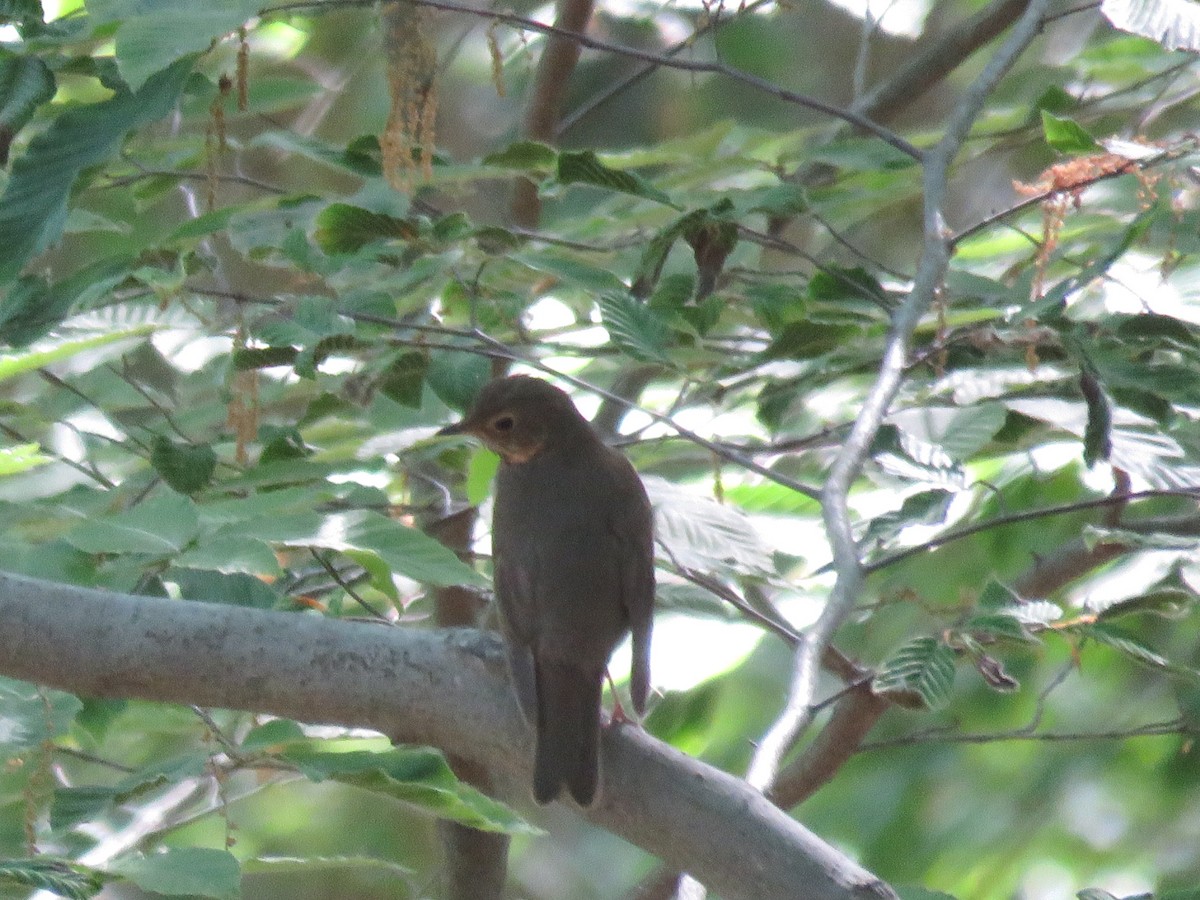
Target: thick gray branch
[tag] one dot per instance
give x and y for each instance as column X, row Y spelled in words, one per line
column 445, row 688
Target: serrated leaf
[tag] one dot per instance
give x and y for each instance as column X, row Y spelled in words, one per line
column 1066, row 135
column 187, row 468
column 1094, row 535
column 309, row 865
column 480, row 472
column 922, row 508
column 25, row 84
column 918, row 675
column 152, row 35
column 701, row 534
column 1097, row 434
column 233, row 589
column 528, row 156
column 997, row 625
column 1121, row 640
column 585, row 167
column 404, row 378
column 50, row 352
column 273, row 736
column 1175, row 24
column 418, row 776
column 32, row 716
column 342, row 228
column 406, row 551
column 457, row 376
column 654, row 257
column 1035, row 612
column 809, row 340
column 58, row 876
column 183, row 871
column 1170, row 603
column 997, row 596
column 21, row 458
column 635, row 328
column 33, row 207
column 673, row 292
column 161, row 526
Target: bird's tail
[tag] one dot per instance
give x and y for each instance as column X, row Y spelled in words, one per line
column 568, row 731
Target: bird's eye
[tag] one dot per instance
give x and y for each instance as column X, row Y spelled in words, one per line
column 504, row 423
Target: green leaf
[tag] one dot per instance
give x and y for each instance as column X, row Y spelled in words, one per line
column 417, row 776
column 635, row 328
column 457, row 376
column 25, row 84
column 585, row 167
column 404, row 378
column 341, row 228
column 1122, row 640
column 187, row 468
column 918, row 676
column 58, row 876
column 1097, row 434
column 21, row 458
column 183, row 871
column 1068, row 136
column 33, row 207
column 32, row 716
column 809, row 340
column 1035, row 612
column 12, row 365
column 705, row 535
column 998, row 626
column 527, row 156
column 1094, row 535
column 161, row 526
column 406, row 551
column 1168, row 603
column 272, row 736
column 997, row 596
column 480, row 472
column 235, row 589
column 155, row 33
column 385, row 870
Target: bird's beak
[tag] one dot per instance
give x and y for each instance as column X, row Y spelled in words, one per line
column 453, row 428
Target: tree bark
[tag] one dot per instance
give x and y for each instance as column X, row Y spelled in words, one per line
column 446, row 688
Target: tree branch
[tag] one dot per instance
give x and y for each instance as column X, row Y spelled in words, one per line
column 549, row 90
column 686, row 65
column 798, row 710
column 937, row 59
column 444, row 688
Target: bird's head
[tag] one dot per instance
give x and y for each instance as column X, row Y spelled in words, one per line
column 518, row 417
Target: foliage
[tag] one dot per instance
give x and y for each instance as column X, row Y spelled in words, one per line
column 230, row 340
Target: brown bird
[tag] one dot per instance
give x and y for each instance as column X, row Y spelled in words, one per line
column 573, row 548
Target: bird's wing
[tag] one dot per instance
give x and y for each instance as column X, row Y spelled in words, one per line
column 513, row 594
column 631, row 523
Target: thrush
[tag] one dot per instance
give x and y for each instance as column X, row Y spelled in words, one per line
column 573, row 557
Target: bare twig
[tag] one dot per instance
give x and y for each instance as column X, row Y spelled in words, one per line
column 935, row 256
column 1186, row 524
column 713, row 68
column 549, row 89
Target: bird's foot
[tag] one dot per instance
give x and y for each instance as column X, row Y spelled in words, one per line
column 619, row 716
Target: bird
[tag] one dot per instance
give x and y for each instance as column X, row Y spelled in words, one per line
column 573, row 570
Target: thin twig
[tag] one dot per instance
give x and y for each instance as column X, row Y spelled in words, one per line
column 1027, row 516
column 935, row 257
column 724, row 452
column 713, row 68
